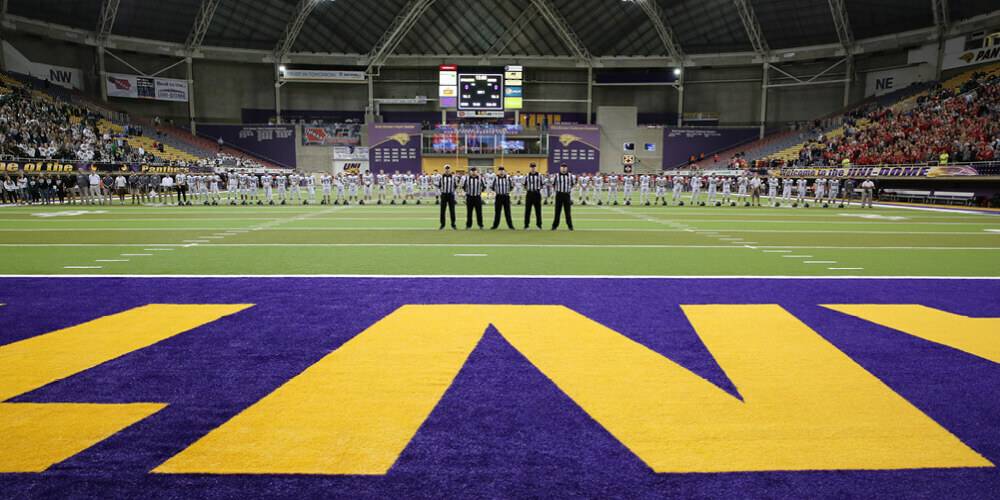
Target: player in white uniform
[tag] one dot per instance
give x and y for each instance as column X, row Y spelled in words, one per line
column 644, row 182
column 268, row 182
column 678, row 186
column 612, row 182
column 326, row 182
column 755, row 186
column 425, row 187
column 628, row 184
column 293, row 185
column 819, row 189
column 282, row 183
column 310, row 187
column 712, row 189
column 727, row 190
column 833, row 186
column 546, row 188
column 518, row 191
column 802, row 186
column 232, row 187
column 661, row 190
column 409, row 184
column 381, row 180
column 786, row 189
column 772, row 190
column 696, row 183
column 582, row 188
column 213, row 188
column 596, row 185
column 741, row 186
column 338, row 182
column 396, row 184
column 353, row 186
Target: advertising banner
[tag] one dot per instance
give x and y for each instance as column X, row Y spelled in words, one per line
column 891, row 80
column 16, row 62
column 679, row 143
column 879, row 171
column 395, row 146
column 275, row 143
column 579, row 146
column 146, row 87
column 331, row 135
column 56, row 167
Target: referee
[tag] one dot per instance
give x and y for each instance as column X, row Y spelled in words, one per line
column 501, row 186
column 473, row 185
column 533, row 184
column 563, row 184
column 446, row 185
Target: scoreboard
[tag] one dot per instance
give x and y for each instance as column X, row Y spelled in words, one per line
column 480, row 92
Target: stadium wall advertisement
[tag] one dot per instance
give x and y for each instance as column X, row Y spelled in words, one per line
column 395, row 146
column 146, row 87
column 578, row 146
column 63, row 76
column 891, row 80
column 275, row 143
column 71, row 167
column 328, row 135
column 883, row 171
column 679, row 143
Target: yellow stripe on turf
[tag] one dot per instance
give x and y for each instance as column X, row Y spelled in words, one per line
column 976, row 336
column 806, row 404
column 34, row 436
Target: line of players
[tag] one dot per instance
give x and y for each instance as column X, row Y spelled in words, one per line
column 402, row 188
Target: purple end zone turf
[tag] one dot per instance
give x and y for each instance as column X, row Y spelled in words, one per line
column 502, row 429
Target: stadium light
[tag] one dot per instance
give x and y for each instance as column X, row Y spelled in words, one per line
column 282, row 68
column 677, row 72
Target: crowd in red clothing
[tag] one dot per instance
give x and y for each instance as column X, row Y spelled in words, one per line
column 947, row 125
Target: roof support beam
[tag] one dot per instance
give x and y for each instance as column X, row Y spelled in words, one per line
column 752, row 26
column 842, row 24
column 513, row 31
column 292, row 29
column 109, row 11
column 565, row 32
column 942, row 15
column 663, row 30
column 393, row 36
column 201, row 24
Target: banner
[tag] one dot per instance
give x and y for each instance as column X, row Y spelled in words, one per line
column 881, row 171
column 891, row 80
column 146, row 87
column 275, row 143
column 395, row 146
column 73, row 167
column 16, row 62
column 323, row 75
column 578, row 146
column 348, row 159
column 680, row 143
column 331, row 135
column 970, row 51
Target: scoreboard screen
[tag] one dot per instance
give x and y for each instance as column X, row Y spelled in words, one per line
column 480, row 92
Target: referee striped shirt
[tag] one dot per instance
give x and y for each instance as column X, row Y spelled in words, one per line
column 447, row 184
column 533, row 182
column 564, row 182
column 502, row 185
column 473, row 186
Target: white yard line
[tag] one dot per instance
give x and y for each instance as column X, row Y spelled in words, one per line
column 508, row 276
column 470, row 255
column 820, row 262
column 111, row 260
column 83, row 267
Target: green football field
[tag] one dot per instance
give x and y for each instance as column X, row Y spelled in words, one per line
column 404, row 240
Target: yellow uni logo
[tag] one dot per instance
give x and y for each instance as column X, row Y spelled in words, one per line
column 803, row 405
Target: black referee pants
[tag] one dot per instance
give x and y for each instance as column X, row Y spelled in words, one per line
column 533, row 200
column 563, row 202
column 502, row 204
column 473, row 204
column 448, row 200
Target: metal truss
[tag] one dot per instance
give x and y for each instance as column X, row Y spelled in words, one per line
column 563, row 29
column 393, row 36
column 663, row 30
column 201, row 24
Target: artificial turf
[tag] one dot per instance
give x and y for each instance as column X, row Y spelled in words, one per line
column 405, row 240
